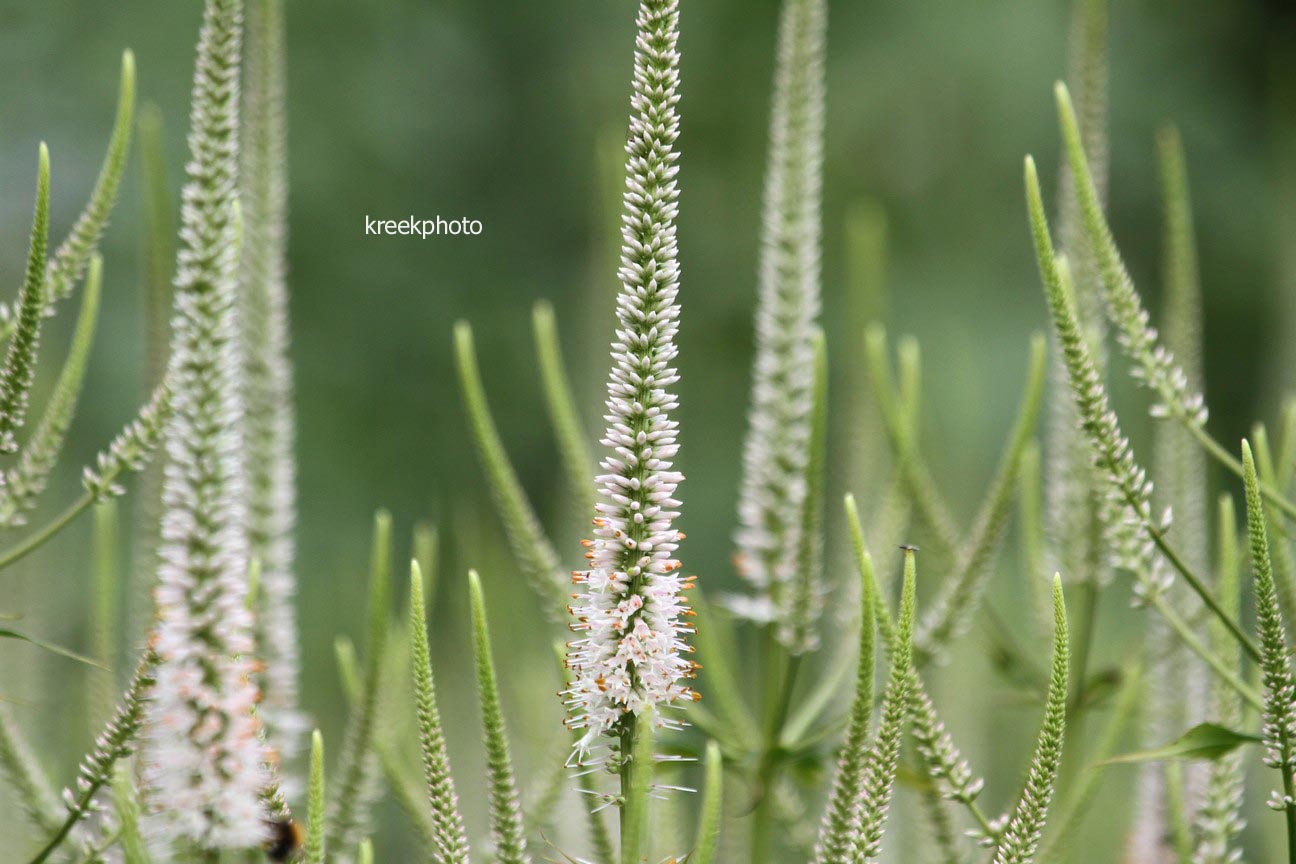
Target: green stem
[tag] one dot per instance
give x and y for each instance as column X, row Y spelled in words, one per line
column 1199, row 587
column 1228, row 460
column 37, row 540
column 1227, row 675
column 1180, row 831
column 1086, row 625
column 636, row 779
column 1289, row 791
column 781, row 670
column 74, row 816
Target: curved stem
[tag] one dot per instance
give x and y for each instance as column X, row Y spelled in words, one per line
column 778, row 704
column 1229, row 461
column 37, row 540
column 1195, row 645
column 75, row 816
column 1199, row 587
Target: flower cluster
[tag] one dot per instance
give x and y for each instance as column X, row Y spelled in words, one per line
column 775, row 460
column 205, row 760
column 1126, row 506
column 1155, row 365
column 629, row 612
column 270, row 430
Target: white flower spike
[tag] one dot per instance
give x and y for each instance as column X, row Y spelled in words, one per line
column 630, row 615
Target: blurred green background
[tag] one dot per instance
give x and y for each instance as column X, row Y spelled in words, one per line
column 505, row 112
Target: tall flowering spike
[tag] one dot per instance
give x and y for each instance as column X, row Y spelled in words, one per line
column 836, row 843
column 1074, row 486
column 1021, row 836
column 1154, row 364
column 772, row 500
column 270, row 429
column 1126, row 505
column 204, row 758
column 883, row 758
column 1279, row 729
column 19, row 369
column 507, row 829
column 630, row 616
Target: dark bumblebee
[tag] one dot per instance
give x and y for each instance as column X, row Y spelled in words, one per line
column 286, row 840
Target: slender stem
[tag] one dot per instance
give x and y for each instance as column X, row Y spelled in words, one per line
column 1086, row 625
column 37, row 540
column 979, row 815
column 1194, row 582
column 1199, row 587
column 74, row 816
column 1197, row 647
column 1228, row 460
column 781, row 669
column 1289, row 789
column 1180, row 831
column 630, row 838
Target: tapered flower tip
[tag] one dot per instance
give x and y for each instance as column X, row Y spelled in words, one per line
column 128, row 73
column 1248, row 459
column 44, row 163
column 463, row 335
column 1032, row 177
column 1063, row 98
column 416, row 583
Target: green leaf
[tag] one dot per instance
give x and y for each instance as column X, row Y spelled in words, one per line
column 6, row 633
column 1207, row 741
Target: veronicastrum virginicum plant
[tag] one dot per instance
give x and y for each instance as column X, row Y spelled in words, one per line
column 791, row 354
column 213, row 751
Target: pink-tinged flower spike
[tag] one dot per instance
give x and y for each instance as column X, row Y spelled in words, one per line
column 778, row 491
column 630, row 615
column 204, row 760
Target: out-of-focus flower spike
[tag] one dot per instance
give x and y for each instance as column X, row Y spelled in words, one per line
column 772, row 500
column 204, row 770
